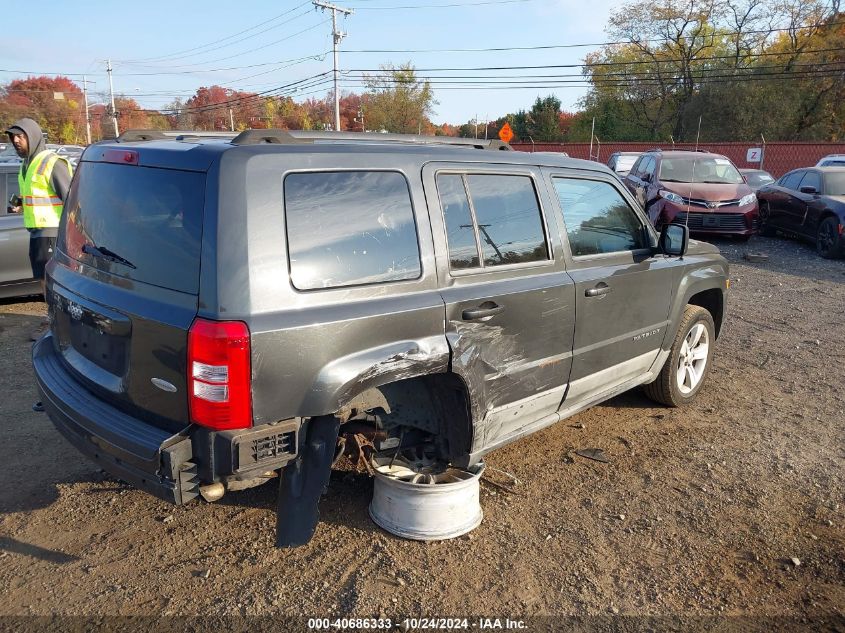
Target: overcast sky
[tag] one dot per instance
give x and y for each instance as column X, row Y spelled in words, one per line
column 161, row 50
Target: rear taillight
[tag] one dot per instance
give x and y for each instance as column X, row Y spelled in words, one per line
column 219, row 375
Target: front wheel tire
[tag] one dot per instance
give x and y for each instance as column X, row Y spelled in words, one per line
column 765, row 219
column 689, row 360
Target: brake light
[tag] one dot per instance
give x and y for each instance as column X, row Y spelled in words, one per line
column 125, row 156
column 219, row 374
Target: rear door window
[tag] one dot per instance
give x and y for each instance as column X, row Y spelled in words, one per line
column 350, row 228
column 460, row 230
column 598, row 219
column 149, row 219
column 497, row 216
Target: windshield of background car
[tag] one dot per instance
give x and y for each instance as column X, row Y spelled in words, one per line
column 149, row 218
column 701, row 169
column 834, row 184
column 758, row 180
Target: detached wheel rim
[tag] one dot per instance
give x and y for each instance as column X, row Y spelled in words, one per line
column 693, row 359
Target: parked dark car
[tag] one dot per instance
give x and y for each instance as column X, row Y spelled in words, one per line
column 15, row 272
column 8, row 155
column 226, row 309
column 700, row 189
column 621, row 162
column 757, row 178
column 809, row 204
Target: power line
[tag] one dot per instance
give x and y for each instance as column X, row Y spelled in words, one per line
column 625, row 83
column 241, row 54
column 587, row 44
column 188, row 50
column 591, row 64
column 441, row 6
column 624, row 73
column 432, row 50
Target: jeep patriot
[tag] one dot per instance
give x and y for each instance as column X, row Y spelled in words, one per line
column 226, row 310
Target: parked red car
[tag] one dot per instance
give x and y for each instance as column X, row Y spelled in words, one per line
column 700, row 189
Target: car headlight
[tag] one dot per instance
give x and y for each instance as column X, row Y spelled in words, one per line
column 751, row 197
column 671, row 197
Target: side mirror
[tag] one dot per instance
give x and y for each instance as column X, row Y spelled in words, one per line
column 674, row 239
column 809, row 189
column 648, row 177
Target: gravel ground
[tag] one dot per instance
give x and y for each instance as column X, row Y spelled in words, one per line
column 731, row 507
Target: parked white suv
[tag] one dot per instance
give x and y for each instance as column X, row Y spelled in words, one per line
column 832, row 160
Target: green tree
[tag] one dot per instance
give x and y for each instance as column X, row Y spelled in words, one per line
column 543, row 120
column 397, row 101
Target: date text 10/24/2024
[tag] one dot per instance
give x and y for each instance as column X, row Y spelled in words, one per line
column 415, row 624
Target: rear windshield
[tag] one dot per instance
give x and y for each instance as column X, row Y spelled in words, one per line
column 136, row 222
column 624, row 163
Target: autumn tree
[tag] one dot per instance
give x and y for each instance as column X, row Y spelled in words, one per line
column 396, row 101
column 55, row 102
column 739, row 67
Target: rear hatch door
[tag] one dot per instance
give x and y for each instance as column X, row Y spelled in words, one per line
column 123, row 287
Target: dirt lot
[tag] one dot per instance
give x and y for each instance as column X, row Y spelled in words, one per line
column 733, row 507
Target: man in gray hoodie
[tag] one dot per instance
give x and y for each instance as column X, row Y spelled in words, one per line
column 44, row 181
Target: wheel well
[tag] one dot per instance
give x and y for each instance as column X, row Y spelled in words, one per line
column 713, row 301
column 437, row 404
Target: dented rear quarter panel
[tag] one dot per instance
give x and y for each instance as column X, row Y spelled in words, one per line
column 313, row 350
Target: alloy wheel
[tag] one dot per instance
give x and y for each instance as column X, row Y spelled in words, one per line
column 692, row 360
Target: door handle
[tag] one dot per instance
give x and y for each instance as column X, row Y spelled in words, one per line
column 486, row 309
column 599, row 290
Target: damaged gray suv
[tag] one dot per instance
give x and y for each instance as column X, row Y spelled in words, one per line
column 229, row 309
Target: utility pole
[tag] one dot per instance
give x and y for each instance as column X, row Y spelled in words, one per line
column 87, row 117
column 231, row 120
column 337, row 37
column 111, row 95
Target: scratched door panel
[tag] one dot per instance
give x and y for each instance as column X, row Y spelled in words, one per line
column 509, row 304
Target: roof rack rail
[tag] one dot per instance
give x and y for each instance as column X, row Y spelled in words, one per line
column 295, row 137
column 177, row 135
column 679, row 149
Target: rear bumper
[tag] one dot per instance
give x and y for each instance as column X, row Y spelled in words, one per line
column 143, row 455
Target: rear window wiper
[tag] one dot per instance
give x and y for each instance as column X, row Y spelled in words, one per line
column 103, row 253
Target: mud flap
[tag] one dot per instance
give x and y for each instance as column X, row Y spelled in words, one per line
column 302, row 483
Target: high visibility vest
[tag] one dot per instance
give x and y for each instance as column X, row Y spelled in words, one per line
column 42, row 208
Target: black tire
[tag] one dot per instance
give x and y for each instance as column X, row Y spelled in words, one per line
column 764, row 218
column 827, row 239
column 665, row 388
